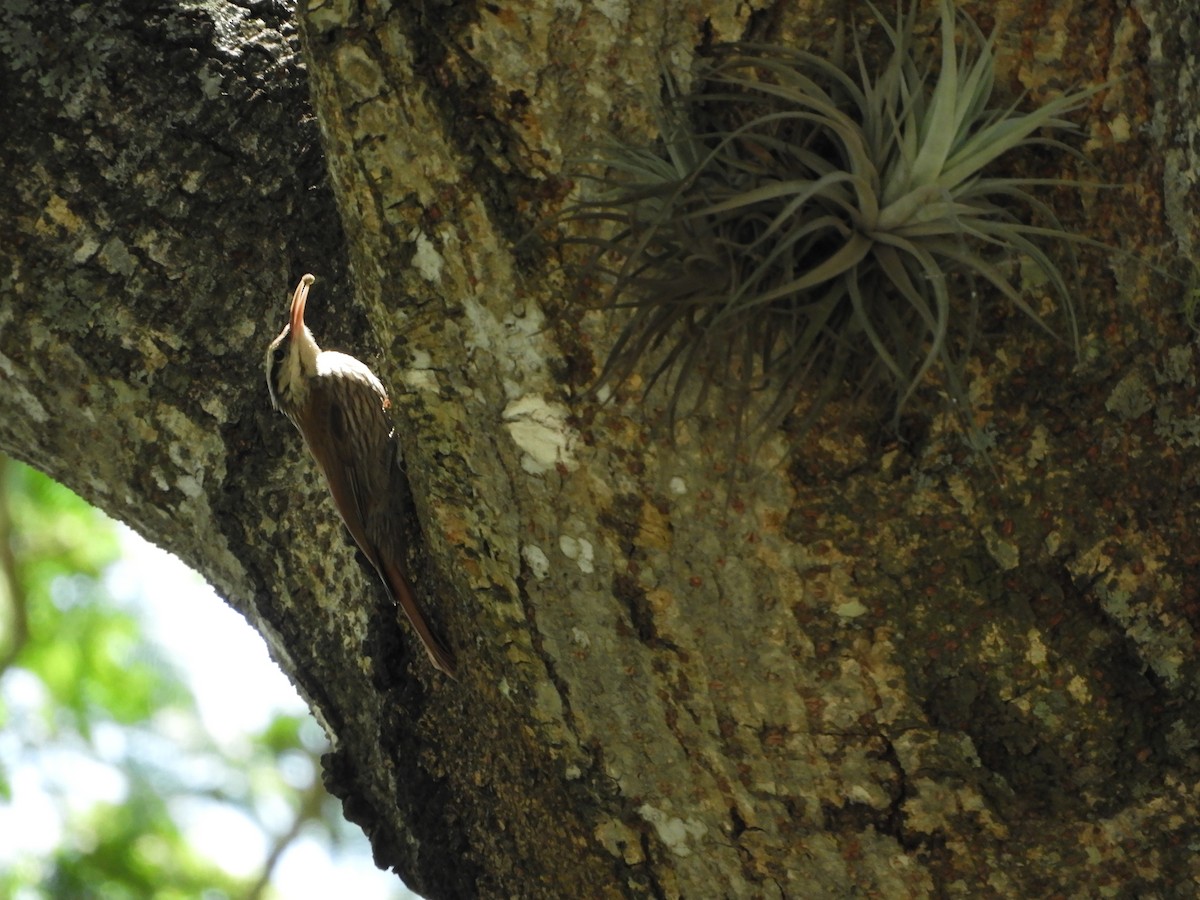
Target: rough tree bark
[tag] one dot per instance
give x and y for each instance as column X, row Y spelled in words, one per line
column 880, row 670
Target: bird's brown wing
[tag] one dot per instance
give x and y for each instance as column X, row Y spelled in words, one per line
column 330, row 447
column 352, row 497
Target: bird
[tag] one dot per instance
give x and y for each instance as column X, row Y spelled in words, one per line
column 343, row 413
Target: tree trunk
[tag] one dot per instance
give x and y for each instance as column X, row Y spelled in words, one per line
column 881, row 669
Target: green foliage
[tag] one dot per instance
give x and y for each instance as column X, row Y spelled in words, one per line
column 801, row 222
column 135, row 849
column 85, row 700
column 86, row 653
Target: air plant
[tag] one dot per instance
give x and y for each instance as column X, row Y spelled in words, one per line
column 799, row 222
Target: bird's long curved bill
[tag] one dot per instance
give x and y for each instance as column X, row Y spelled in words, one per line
column 299, row 299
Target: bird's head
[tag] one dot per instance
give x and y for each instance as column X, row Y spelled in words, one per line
column 292, row 357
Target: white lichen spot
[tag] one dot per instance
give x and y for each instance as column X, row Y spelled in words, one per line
column 1078, row 688
column 326, row 16
column 421, row 376
column 1177, row 367
column 961, row 491
column 191, row 182
column 994, row 642
column 31, row 407
column 212, row 83
column 1006, row 554
column 215, row 408
column 189, row 486
column 116, row 258
column 537, row 561
column 427, row 261
column 1118, row 128
column 851, row 609
column 1130, row 399
column 579, row 550
column 86, row 250
column 540, row 429
column 860, row 794
column 580, row 638
column 57, row 213
column 483, row 330
column 1038, row 445
column 1052, row 542
column 160, row 248
column 678, row 486
column 517, row 340
column 1036, row 654
column 672, row 830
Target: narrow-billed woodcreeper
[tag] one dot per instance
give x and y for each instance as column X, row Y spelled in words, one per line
column 342, row 411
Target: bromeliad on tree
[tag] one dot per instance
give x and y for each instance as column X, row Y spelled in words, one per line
column 800, row 222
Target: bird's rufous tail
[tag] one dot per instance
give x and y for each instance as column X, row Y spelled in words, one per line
column 402, row 593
